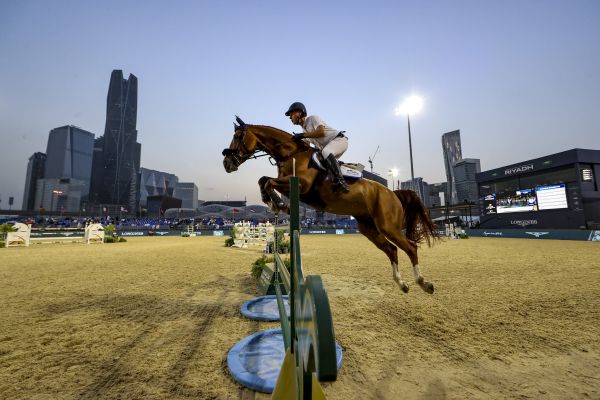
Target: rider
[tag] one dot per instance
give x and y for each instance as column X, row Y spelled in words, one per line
column 331, row 142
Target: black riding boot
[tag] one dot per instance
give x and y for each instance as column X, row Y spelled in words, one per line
column 339, row 183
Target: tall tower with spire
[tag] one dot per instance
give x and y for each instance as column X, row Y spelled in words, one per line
column 117, row 163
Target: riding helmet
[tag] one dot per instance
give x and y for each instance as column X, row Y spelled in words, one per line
column 297, row 106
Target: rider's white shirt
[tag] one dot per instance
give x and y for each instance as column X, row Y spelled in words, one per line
column 311, row 123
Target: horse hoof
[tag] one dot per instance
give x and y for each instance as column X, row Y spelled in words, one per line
column 428, row 287
column 404, row 288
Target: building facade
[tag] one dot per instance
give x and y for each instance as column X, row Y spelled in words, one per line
column 116, row 170
column 452, row 154
column 465, row 174
column 155, row 183
column 69, row 155
column 59, row 195
column 558, row 191
column 157, row 205
column 35, row 171
column 437, row 193
column 188, row 193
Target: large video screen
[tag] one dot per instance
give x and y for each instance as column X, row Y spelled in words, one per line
column 541, row 198
column 521, row 200
column 551, row 197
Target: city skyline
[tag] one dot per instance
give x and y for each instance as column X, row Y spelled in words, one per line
column 518, row 80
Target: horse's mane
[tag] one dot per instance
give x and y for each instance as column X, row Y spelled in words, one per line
column 285, row 136
column 273, row 128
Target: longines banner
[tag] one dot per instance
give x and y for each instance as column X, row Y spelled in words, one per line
column 536, row 234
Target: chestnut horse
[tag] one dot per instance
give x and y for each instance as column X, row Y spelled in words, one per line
column 381, row 214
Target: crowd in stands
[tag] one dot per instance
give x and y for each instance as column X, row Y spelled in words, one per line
column 166, row 224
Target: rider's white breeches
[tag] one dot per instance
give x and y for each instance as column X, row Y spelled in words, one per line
column 337, row 147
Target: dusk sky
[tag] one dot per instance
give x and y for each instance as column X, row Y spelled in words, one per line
column 520, row 79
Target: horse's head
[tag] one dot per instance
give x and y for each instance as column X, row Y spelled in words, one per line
column 242, row 147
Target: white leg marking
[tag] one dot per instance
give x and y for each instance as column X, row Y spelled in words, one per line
column 416, row 272
column 396, row 273
column 398, row 278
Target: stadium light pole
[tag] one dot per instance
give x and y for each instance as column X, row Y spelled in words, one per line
column 410, row 106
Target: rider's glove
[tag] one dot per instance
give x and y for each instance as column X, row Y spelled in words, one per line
column 298, row 136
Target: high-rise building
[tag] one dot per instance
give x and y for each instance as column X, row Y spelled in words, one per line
column 59, row 194
column 452, row 154
column 97, row 170
column 188, row 193
column 69, row 155
column 156, row 183
column 465, row 172
column 35, row 171
column 437, row 193
column 117, row 167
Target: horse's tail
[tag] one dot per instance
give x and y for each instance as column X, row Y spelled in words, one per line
column 418, row 223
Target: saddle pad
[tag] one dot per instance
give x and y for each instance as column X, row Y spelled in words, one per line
column 350, row 173
column 346, row 171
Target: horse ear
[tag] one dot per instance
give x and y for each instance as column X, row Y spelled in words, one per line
column 235, row 127
column 239, row 121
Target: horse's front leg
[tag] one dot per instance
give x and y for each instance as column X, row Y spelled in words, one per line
column 271, row 187
column 264, row 195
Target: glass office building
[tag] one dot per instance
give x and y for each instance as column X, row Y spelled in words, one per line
column 35, row 171
column 69, row 155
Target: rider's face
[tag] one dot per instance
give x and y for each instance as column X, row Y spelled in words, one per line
column 296, row 117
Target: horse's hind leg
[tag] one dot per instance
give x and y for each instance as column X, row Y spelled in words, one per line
column 368, row 229
column 387, row 223
column 410, row 248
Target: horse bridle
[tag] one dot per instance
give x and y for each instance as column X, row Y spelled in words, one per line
column 239, row 157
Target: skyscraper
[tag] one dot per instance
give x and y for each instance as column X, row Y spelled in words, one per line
column 466, row 183
column 116, row 169
column 68, row 169
column 35, row 171
column 97, row 170
column 69, row 155
column 437, row 194
column 452, row 154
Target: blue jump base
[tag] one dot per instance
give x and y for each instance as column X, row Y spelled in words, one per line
column 256, row 360
column 264, row 308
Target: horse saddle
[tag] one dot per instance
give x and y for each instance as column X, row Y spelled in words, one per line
column 349, row 170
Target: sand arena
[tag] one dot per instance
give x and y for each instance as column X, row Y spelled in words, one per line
column 154, row 318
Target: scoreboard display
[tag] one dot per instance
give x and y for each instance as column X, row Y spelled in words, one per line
column 532, row 199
